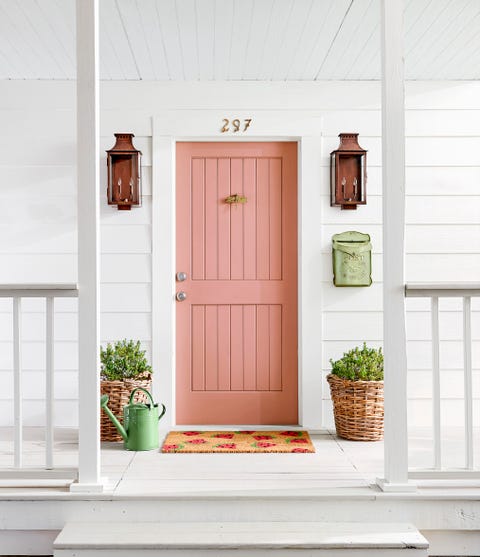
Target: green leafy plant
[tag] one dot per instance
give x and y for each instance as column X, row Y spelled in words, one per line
column 360, row 364
column 123, row 360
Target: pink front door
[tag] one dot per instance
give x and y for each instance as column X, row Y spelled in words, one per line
column 237, row 328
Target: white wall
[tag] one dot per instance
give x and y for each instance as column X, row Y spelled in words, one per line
column 38, row 239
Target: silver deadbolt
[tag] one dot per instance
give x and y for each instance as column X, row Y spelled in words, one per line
column 181, row 296
column 181, row 276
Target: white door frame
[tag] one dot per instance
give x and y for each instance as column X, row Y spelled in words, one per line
column 205, row 125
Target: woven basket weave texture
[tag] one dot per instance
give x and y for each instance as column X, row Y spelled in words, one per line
column 358, row 408
column 118, row 395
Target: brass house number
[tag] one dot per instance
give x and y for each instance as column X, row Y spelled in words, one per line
column 235, row 125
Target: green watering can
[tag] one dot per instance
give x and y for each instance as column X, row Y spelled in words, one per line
column 140, row 422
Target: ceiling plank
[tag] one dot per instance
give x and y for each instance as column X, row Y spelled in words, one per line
column 461, row 31
column 354, row 40
column 7, row 69
column 110, row 67
column 64, row 25
column 260, row 24
column 317, row 20
column 13, row 65
column 359, row 20
column 461, row 62
column 31, row 51
column 423, row 32
column 277, row 30
column 372, row 68
column 297, row 21
column 223, row 24
column 153, row 37
column 187, row 26
column 205, row 16
column 45, row 24
column 365, row 57
column 325, row 36
column 135, row 32
column 167, row 20
column 112, row 26
column 241, row 31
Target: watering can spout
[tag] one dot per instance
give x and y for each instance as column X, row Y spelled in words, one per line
column 113, row 418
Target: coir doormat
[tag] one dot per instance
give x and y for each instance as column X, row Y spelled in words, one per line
column 238, row 442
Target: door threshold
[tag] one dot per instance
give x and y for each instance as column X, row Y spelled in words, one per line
column 248, row 427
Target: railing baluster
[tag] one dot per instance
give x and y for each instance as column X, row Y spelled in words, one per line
column 17, row 293
column 17, row 381
column 466, row 291
column 437, row 434
column 49, row 382
column 467, row 381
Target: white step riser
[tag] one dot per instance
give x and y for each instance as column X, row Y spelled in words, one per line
column 242, row 552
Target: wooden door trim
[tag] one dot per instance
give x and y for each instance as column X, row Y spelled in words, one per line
column 171, row 126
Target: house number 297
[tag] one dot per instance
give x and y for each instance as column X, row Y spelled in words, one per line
column 235, row 125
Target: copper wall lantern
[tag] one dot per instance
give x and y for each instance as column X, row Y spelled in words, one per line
column 348, row 173
column 124, row 173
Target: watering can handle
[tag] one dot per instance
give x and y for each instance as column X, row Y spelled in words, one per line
column 163, row 411
column 140, row 389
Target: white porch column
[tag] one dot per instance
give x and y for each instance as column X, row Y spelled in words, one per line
column 88, row 179
column 393, row 165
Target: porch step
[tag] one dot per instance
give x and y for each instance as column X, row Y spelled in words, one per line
column 255, row 539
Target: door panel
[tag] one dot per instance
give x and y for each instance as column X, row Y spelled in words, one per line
column 237, row 329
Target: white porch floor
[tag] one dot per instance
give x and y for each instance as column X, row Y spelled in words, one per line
column 337, row 466
column 335, row 484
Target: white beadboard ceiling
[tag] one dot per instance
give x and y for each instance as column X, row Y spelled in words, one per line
column 239, row 39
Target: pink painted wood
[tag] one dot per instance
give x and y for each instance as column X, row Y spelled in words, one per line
column 237, row 329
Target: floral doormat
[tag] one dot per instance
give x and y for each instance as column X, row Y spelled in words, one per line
column 238, row 442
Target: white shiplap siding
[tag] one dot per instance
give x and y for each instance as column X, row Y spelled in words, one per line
column 442, row 242
column 38, row 224
column 39, row 242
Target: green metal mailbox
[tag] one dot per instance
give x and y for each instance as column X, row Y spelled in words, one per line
column 352, row 259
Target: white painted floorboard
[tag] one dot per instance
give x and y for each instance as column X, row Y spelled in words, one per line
column 255, row 539
column 338, row 467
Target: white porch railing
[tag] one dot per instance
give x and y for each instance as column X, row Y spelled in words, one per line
column 434, row 291
column 20, row 469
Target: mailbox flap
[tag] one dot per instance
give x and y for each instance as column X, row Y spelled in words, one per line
column 351, row 242
column 351, row 236
column 351, row 248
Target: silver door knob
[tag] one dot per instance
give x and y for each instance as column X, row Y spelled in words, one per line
column 181, row 276
column 181, row 296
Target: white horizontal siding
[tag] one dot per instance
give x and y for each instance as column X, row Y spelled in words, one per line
column 126, row 268
column 66, row 385
column 38, row 228
column 418, row 325
column 145, row 98
column 419, row 353
column 442, row 243
column 451, row 384
column 420, row 239
column 66, row 413
column 33, row 355
column 451, row 415
column 38, row 243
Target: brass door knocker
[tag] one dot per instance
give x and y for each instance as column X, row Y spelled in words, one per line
column 236, row 198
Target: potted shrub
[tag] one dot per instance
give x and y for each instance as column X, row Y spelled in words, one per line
column 124, row 367
column 356, row 386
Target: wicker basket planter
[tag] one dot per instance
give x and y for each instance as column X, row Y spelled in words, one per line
column 118, row 394
column 358, row 408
